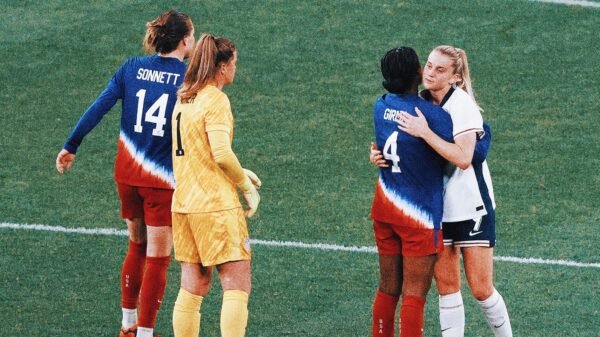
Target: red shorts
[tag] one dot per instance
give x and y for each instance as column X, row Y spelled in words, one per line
column 406, row 241
column 151, row 204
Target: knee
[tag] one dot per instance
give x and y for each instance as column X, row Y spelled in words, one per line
column 197, row 285
column 158, row 247
column 236, row 282
column 390, row 284
column 481, row 285
column 393, row 289
column 447, row 284
column 138, row 236
column 137, row 230
column 482, row 292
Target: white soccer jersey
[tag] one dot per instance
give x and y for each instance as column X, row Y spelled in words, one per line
column 462, row 197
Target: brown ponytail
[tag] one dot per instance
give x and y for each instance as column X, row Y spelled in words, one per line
column 210, row 52
column 164, row 33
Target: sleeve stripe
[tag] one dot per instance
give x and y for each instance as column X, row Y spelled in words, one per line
column 468, row 131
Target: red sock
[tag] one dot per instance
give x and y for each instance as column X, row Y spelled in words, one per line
column 384, row 314
column 132, row 273
column 412, row 316
column 153, row 289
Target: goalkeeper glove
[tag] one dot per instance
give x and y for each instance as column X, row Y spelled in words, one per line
column 253, row 178
column 251, row 196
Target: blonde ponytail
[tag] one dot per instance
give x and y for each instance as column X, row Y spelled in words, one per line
column 461, row 67
column 210, row 52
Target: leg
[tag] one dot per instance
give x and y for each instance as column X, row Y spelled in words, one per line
column 386, row 299
column 479, row 269
column 447, row 279
column 195, row 285
column 132, row 271
column 417, row 273
column 137, row 230
column 235, row 279
column 390, row 274
column 157, row 216
column 132, row 211
column 195, row 278
column 447, row 271
column 158, row 258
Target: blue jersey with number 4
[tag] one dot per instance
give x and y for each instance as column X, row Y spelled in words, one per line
column 147, row 87
column 410, row 191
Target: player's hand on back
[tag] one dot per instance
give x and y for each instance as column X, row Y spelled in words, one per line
column 375, row 156
column 415, row 126
column 64, row 160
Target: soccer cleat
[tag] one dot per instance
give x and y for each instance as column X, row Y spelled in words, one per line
column 130, row 332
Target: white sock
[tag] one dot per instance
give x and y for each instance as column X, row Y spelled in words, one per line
column 452, row 315
column 144, row 332
column 129, row 318
column 496, row 314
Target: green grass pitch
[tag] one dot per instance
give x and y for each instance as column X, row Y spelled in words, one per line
column 307, row 78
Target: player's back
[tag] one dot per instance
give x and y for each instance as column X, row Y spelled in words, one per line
column 410, row 190
column 201, row 185
column 148, row 87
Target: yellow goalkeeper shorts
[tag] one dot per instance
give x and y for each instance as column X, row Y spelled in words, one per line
column 211, row 238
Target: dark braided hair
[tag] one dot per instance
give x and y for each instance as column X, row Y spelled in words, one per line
column 400, row 69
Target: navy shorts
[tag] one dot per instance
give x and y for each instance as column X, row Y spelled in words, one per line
column 480, row 232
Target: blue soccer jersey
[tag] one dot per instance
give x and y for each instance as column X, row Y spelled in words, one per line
column 410, row 191
column 147, row 87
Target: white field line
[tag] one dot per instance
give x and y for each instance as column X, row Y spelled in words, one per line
column 289, row 244
column 572, row 3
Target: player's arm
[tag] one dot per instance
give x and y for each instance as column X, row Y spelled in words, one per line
column 459, row 153
column 92, row 116
column 482, row 146
column 220, row 147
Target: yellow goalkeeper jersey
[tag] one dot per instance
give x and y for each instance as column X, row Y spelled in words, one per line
column 200, row 185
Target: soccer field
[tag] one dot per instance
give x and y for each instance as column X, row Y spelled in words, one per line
column 307, row 79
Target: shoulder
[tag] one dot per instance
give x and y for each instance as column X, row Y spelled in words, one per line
column 380, row 100
column 433, row 109
column 460, row 99
column 461, row 106
column 221, row 97
column 215, row 98
column 131, row 65
column 135, row 61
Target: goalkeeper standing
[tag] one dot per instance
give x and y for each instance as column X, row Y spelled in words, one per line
column 209, row 226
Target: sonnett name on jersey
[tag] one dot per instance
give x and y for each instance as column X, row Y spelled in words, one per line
column 157, row 76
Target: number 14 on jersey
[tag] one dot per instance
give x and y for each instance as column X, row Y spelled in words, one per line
column 159, row 107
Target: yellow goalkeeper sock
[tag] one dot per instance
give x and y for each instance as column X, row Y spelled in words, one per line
column 186, row 314
column 234, row 313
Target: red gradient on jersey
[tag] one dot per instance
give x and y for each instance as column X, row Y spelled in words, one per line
column 130, row 172
column 384, row 210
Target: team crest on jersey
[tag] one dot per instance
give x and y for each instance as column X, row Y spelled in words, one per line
column 247, row 244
